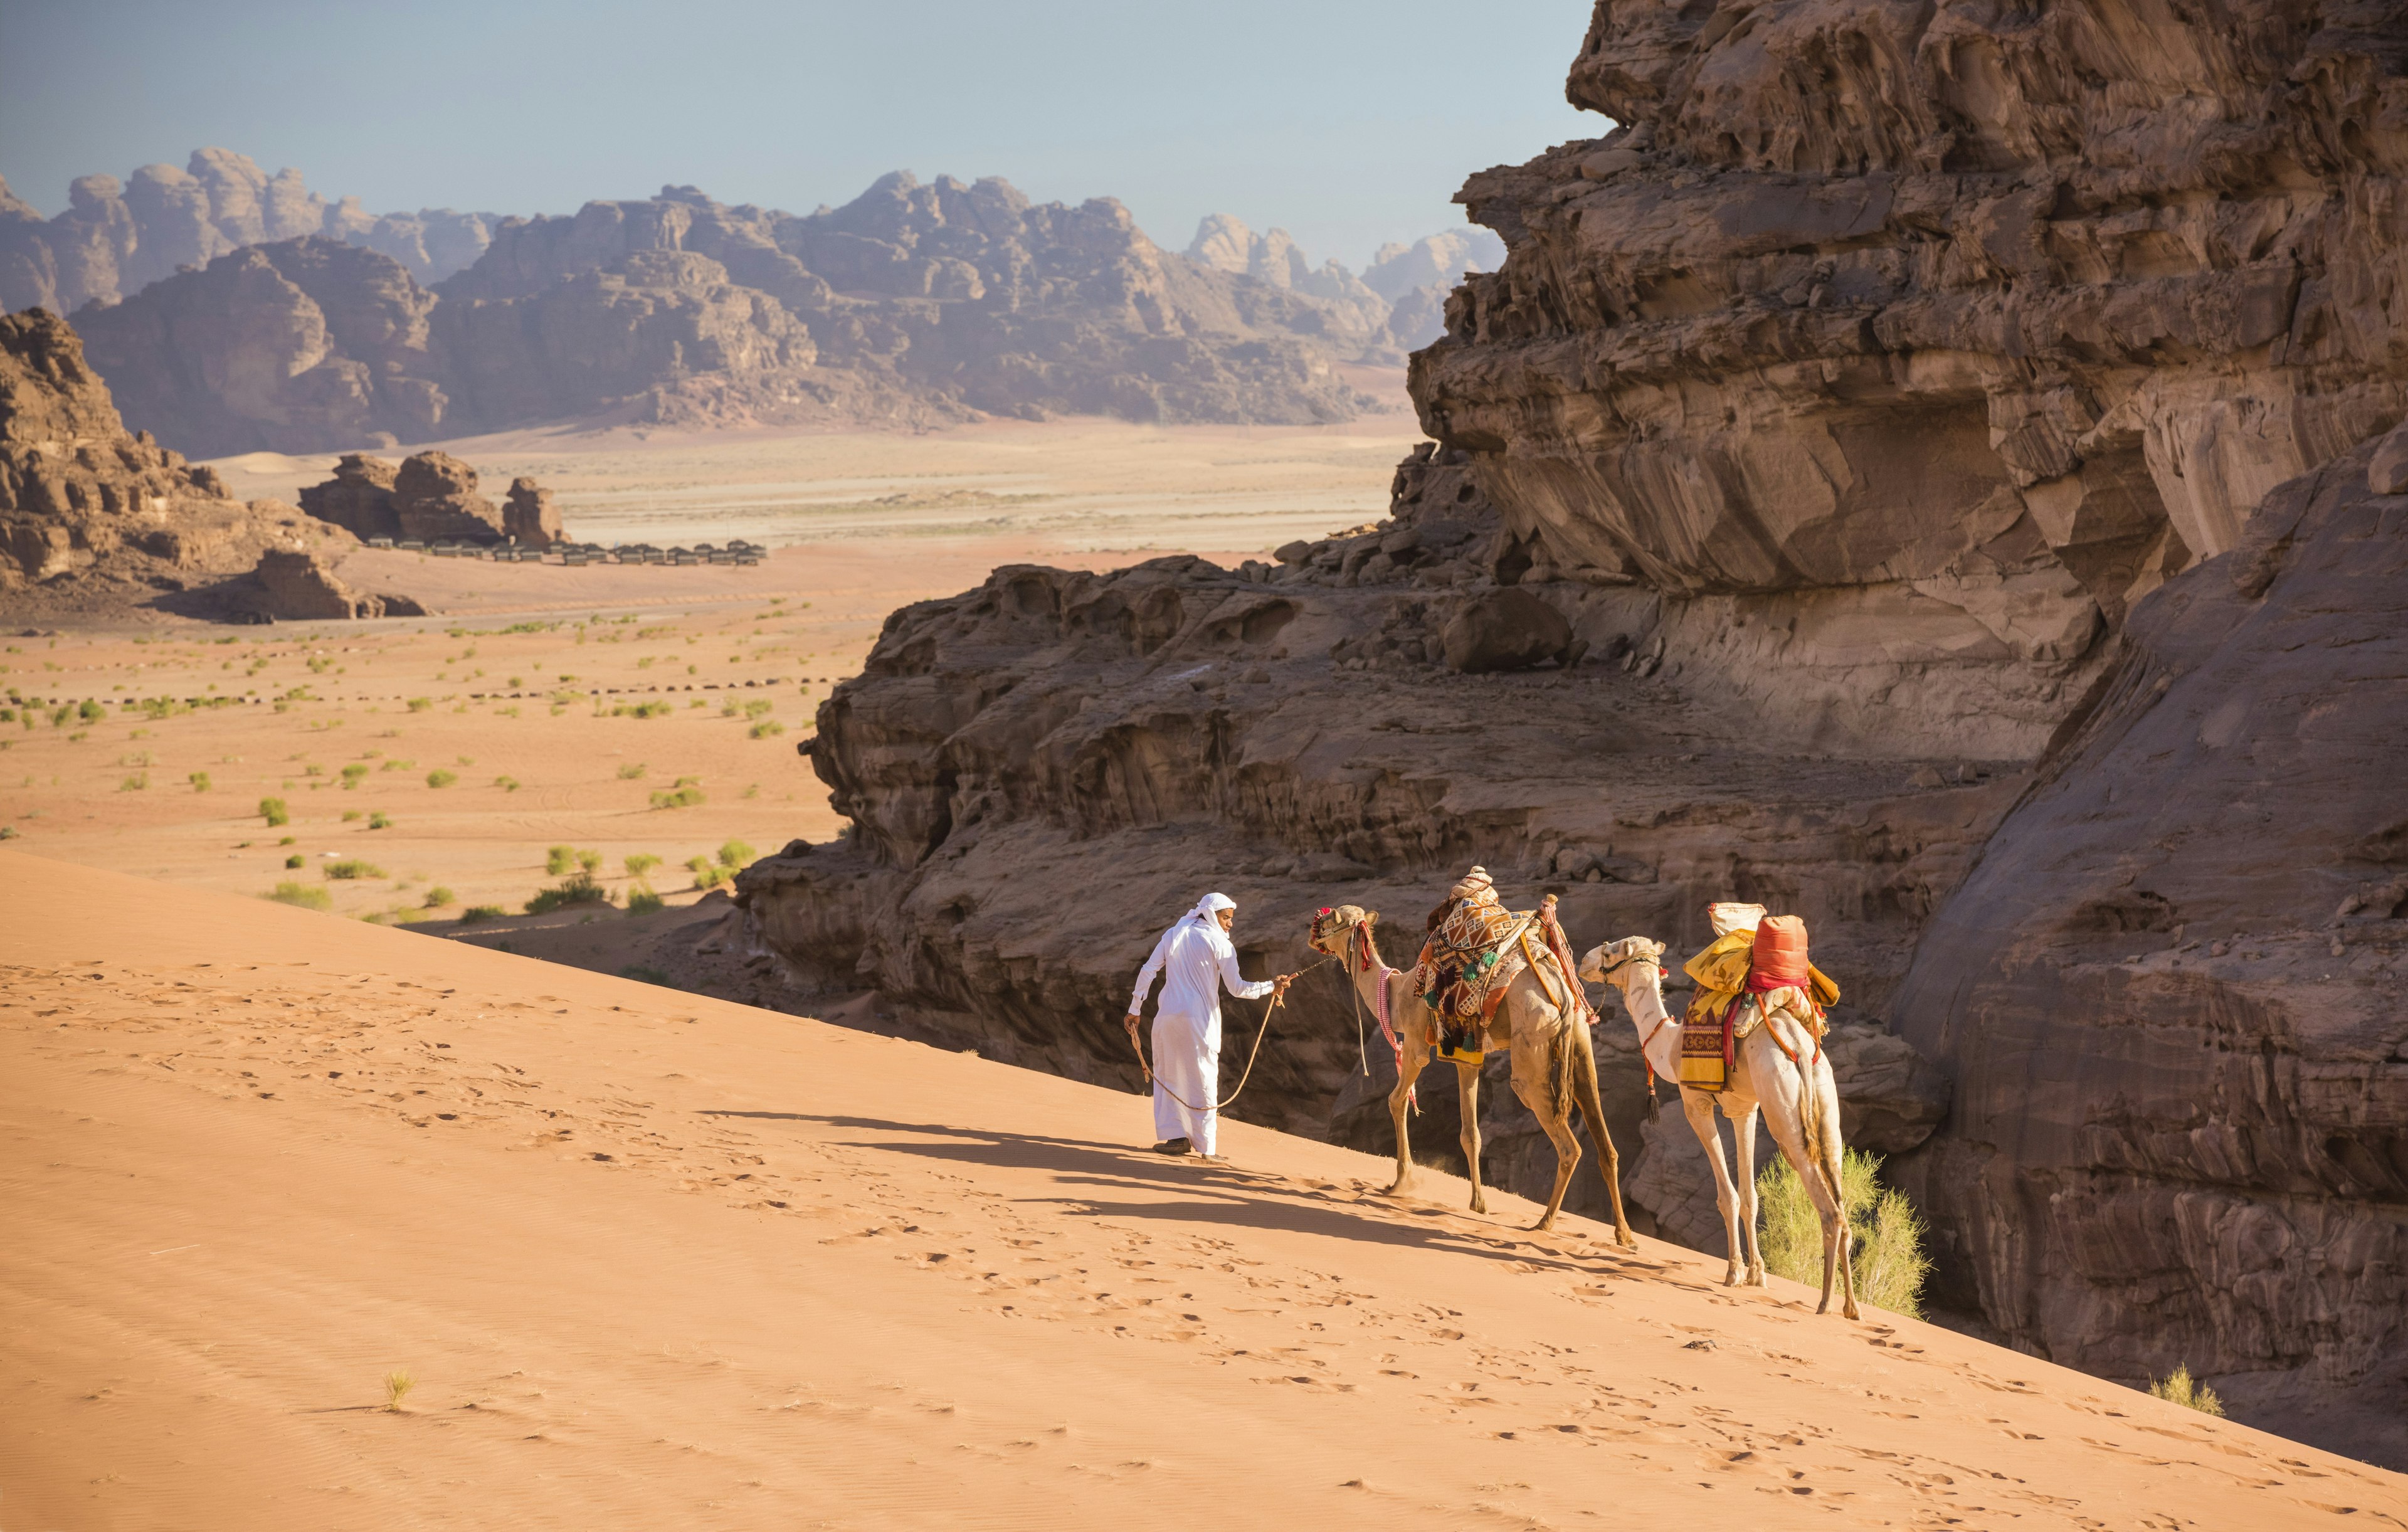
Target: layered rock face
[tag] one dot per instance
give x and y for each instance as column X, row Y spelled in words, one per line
column 90, row 516
column 291, row 584
column 118, row 238
column 1936, row 438
column 2168, row 993
column 1043, row 772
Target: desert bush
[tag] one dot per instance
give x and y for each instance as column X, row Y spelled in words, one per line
column 1888, row 1254
column 349, row 814
column 295, row 860
column 135, row 783
column 631, row 771
column 420, row 705
column 398, row 1385
column 351, row 868
column 643, row 710
column 708, row 874
column 640, row 863
column 353, row 773
column 508, row 784
column 687, row 793
column 90, row 711
column 200, row 780
column 577, row 888
column 591, row 860
column 377, row 821
column 759, row 707
column 643, row 901
column 560, row 861
column 438, row 897
column 274, row 812
column 735, row 853
column 305, row 896
column 768, row 728
column 2180, row 1387
column 441, row 778
column 476, row 913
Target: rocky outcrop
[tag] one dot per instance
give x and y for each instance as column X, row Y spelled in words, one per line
column 275, row 348
column 529, row 518
column 116, row 239
column 94, row 519
column 431, row 497
column 295, row 585
column 1949, row 432
column 358, row 499
column 1037, row 769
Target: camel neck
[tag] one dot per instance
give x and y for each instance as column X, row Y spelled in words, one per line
column 1647, row 1002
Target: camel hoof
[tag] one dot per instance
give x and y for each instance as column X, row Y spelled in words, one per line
column 1543, row 1226
column 1730, row 1278
column 1479, row 1205
column 1628, row 1241
column 1851, row 1311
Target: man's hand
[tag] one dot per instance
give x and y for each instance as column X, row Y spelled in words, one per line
column 1130, row 1021
column 1279, row 984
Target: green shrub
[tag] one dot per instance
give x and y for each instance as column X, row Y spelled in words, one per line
column 758, row 707
column 1889, row 1261
column 353, row 773
column 2180, row 1387
column 577, row 888
column 305, row 896
column 640, row 863
column 90, row 711
column 476, row 913
column 349, row 814
column 643, row 901
column 687, row 793
column 420, row 705
column 708, row 874
column 441, row 778
column 274, row 812
column 200, row 780
column 351, row 868
column 135, row 783
column 508, row 784
column 631, row 772
column 643, row 710
column 735, row 853
column 438, row 897
column 560, row 861
column 296, row 860
column 377, row 821
column 768, row 728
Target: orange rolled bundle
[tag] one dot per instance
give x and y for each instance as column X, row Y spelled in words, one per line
column 1778, row 957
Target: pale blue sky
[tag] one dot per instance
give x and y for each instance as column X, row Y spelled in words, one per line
column 1349, row 123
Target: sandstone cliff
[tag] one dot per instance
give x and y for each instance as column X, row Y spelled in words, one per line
column 1935, row 437
column 93, row 518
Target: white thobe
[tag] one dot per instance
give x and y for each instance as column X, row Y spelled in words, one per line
column 1195, row 960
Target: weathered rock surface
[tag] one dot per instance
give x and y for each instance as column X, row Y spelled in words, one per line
column 292, row 584
column 435, row 499
column 358, row 499
column 2168, row 996
column 1035, row 768
column 529, row 517
column 1950, row 433
column 117, row 238
column 91, row 517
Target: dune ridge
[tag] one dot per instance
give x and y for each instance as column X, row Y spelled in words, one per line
column 653, row 1255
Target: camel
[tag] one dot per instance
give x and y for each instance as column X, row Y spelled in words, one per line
column 1553, row 1064
column 1782, row 1068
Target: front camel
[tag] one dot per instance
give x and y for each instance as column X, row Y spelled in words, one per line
column 1780, row 1067
column 1553, row 1067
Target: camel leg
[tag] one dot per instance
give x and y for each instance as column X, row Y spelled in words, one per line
column 1467, row 1082
column 1399, row 1106
column 1743, row 1137
column 1780, row 1091
column 1558, row 1126
column 1608, row 1163
column 1698, row 1107
column 1828, row 1119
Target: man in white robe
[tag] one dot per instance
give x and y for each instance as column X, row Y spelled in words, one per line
column 1195, row 960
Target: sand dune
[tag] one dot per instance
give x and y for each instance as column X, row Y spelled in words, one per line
column 655, row 1260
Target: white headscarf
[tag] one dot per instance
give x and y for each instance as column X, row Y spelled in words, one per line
column 1206, row 905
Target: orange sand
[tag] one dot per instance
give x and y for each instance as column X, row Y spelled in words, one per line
column 653, row 1260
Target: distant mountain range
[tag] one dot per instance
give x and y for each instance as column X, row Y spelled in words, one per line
column 232, row 311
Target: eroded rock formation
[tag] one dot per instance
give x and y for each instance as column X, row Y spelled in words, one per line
column 1948, row 432
column 291, row 584
column 432, row 497
column 117, row 237
column 93, row 518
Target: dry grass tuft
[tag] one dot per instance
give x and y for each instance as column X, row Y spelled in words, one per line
column 2180, row 1387
column 397, row 1384
column 1890, row 1264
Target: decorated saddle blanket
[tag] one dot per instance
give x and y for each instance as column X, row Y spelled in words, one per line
column 1470, row 957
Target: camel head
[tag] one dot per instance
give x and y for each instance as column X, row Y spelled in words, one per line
column 1633, row 960
column 1333, row 928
